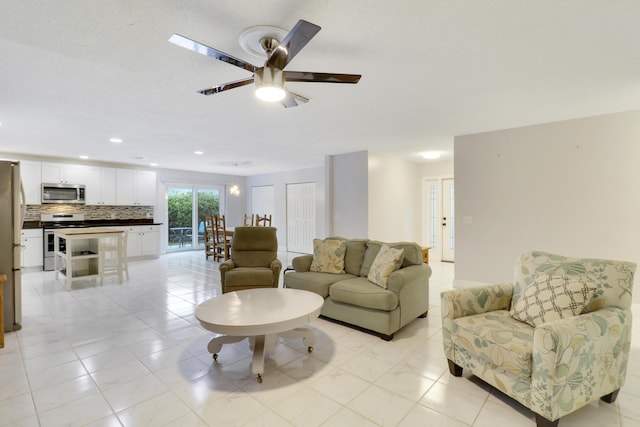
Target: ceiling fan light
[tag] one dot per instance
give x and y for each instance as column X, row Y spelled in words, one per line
column 270, row 93
column 269, row 84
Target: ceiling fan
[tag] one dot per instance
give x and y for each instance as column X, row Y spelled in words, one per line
column 270, row 79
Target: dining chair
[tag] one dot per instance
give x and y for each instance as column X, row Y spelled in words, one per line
column 221, row 240
column 209, row 246
column 248, row 220
column 263, row 221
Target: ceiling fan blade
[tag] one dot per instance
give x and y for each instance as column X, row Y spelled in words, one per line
column 226, row 86
column 293, row 42
column 289, row 100
column 304, row 76
column 299, row 97
column 202, row 49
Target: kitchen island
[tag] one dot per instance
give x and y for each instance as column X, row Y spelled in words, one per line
column 83, row 256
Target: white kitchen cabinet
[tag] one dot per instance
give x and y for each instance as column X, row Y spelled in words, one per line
column 32, row 249
column 31, row 174
column 143, row 241
column 146, row 188
column 135, row 187
column 100, row 186
column 61, row 173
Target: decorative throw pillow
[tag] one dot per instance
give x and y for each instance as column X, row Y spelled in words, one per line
column 386, row 262
column 328, row 256
column 551, row 297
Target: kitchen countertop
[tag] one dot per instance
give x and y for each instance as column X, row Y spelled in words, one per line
column 100, row 223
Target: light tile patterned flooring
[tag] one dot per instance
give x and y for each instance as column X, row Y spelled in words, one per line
column 134, row 355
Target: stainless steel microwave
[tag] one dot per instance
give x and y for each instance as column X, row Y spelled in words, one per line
column 63, row 193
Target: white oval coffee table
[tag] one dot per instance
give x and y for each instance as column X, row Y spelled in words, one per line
column 262, row 314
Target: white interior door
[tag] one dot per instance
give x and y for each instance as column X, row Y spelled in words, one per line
column 448, row 220
column 438, row 208
column 301, row 217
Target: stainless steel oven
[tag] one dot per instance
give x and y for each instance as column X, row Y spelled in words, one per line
column 51, row 223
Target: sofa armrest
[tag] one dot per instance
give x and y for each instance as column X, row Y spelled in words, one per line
column 224, row 267
column 411, row 285
column 276, row 267
column 466, row 302
column 227, row 265
column 408, row 274
column 302, row 263
column 578, row 360
column 479, row 299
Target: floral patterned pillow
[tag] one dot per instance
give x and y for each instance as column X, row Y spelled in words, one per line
column 328, row 256
column 552, row 297
column 386, row 262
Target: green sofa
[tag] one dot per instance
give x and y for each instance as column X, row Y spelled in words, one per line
column 352, row 299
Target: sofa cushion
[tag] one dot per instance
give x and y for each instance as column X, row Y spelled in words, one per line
column 412, row 254
column 497, row 339
column 551, row 297
column 259, row 276
column 361, row 292
column 312, row 281
column 613, row 279
column 354, row 256
column 387, row 261
column 328, row 256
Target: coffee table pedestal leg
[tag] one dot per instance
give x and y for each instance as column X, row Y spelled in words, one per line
column 260, row 343
column 257, row 365
column 307, row 335
column 215, row 345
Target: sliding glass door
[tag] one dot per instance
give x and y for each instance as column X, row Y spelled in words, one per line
column 186, row 208
column 208, row 201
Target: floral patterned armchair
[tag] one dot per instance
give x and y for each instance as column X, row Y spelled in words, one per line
column 554, row 340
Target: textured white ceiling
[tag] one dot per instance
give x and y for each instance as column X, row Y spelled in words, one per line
column 74, row 73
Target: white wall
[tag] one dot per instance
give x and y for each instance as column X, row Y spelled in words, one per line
column 395, row 199
column 279, row 182
column 571, row 187
column 436, row 169
column 348, row 191
column 262, row 198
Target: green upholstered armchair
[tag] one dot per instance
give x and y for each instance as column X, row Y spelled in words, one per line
column 254, row 262
column 555, row 340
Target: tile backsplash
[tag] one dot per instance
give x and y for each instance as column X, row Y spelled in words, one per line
column 91, row 212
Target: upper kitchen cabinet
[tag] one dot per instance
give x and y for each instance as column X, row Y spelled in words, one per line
column 100, row 186
column 135, row 187
column 63, row 173
column 30, row 173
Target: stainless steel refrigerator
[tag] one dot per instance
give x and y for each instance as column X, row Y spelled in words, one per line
column 12, row 209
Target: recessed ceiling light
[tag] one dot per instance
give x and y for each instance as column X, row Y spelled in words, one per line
column 199, row 153
column 153, row 164
column 116, row 140
column 84, row 157
column 431, row 155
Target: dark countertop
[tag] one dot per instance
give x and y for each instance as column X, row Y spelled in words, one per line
column 99, row 223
